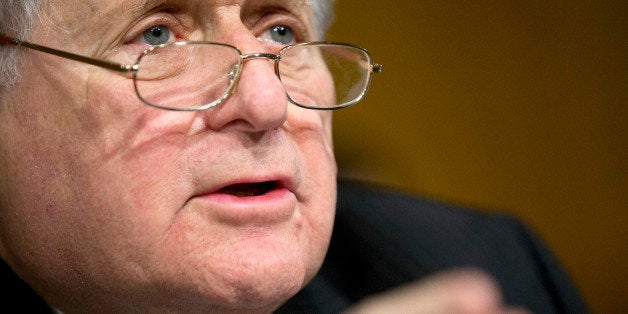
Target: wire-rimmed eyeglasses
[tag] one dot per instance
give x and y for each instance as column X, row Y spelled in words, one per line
column 197, row 75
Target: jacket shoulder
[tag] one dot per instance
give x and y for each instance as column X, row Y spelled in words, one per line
column 383, row 238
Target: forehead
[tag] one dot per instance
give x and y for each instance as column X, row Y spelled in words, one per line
column 135, row 6
column 74, row 9
column 80, row 20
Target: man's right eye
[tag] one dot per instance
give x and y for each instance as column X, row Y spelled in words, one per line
column 157, row 35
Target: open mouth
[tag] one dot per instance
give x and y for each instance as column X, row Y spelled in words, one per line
column 250, row 189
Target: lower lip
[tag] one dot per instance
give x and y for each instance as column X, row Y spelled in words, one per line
column 274, row 206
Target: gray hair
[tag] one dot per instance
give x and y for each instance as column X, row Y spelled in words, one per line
column 323, row 15
column 16, row 19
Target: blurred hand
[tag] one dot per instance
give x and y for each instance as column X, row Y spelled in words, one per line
column 457, row 291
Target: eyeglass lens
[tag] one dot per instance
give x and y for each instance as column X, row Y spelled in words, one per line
column 200, row 75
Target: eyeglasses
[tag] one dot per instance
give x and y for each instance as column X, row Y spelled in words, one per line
column 189, row 76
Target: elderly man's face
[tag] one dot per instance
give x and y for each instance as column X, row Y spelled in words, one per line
column 104, row 199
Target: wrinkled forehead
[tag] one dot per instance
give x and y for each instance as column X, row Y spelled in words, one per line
column 79, row 15
column 137, row 6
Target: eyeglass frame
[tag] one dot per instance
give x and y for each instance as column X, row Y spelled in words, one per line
column 126, row 68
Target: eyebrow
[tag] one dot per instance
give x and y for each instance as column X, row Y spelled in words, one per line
column 131, row 9
column 139, row 7
column 301, row 8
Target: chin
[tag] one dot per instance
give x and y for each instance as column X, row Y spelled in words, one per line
column 260, row 288
column 265, row 275
column 254, row 272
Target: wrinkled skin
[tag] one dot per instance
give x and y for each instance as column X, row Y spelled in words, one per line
column 110, row 205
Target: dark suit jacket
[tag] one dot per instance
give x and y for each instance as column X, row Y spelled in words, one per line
column 383, row 239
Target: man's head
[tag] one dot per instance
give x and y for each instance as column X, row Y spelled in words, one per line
column 109, row 204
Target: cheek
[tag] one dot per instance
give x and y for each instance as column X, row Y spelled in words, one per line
column 310, row 130
column 137, row 159
column 86, row 172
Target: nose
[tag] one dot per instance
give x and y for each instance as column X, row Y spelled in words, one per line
column 259, row 101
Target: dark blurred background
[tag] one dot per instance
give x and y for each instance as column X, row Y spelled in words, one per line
column 512, row 106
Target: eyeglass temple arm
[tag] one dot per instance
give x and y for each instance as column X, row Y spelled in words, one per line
column 7, row 40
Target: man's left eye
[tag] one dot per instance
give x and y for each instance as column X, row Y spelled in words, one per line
column 280, row 34
column 157, row 35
